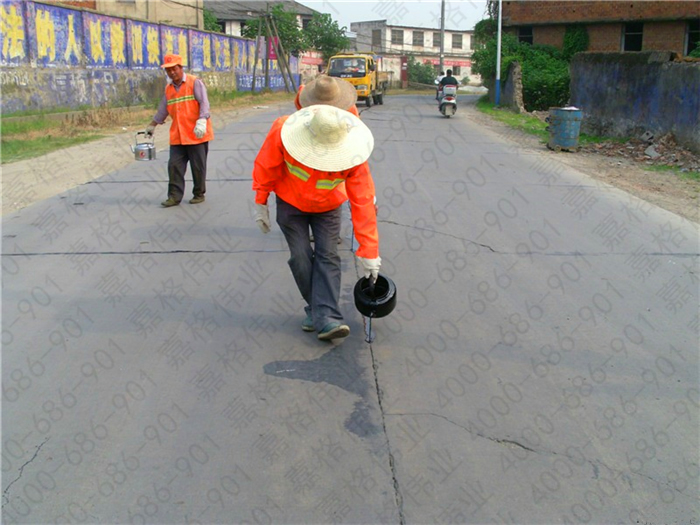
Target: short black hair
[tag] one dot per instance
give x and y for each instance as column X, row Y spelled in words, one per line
column 449, row 72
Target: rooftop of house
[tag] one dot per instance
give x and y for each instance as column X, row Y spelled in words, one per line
column 414, row 28
column 233, row 10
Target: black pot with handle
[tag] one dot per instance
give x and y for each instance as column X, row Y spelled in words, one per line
column 375, row 299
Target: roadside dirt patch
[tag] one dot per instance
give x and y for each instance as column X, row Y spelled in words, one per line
column 622, row 166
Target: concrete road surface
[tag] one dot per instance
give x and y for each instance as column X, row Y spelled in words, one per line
column 541, row 365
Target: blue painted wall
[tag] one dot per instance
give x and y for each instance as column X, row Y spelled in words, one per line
column 53, row 56
column 625, row 94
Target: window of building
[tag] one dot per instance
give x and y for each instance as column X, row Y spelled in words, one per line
column 693, row 37
column 376, row 38
column 397, row 37
column 437, row 39
column 305, row 23
column 418, row 38
column 456, row 41
column 633, row 36
column 456, row 71
column 525, row 34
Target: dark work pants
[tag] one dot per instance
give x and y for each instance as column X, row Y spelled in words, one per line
column 196, row 155
column 316, row 271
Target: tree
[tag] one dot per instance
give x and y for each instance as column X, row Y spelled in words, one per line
column 291, row 36
column 324, row 35
column 210, row 22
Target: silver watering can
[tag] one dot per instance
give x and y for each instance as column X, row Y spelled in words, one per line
column 146, row 149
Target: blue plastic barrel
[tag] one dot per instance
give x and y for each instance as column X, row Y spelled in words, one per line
column 564, row 127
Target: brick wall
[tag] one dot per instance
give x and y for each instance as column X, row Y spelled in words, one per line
column 605, row 37
column 664, row 35
column 551, row 35
column 84, row 4
column 534, row 12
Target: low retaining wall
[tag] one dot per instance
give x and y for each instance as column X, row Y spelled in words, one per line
column 626, row 94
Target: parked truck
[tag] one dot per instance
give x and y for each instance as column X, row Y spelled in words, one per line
column 363, row 72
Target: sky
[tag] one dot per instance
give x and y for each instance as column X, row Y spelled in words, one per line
column 462, row 14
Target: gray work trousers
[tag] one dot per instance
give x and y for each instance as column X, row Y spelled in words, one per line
column 315, row 270
column 180, row 155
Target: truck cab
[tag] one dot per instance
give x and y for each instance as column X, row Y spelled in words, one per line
column 362, row 72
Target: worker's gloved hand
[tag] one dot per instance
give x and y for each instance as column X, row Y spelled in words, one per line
column 201, row 128
column 262, row 217
column 371, row 267
column 150, row 129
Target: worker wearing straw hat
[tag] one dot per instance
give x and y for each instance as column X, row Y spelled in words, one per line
column 186, row 102
column 314, row 160
column 328, row 90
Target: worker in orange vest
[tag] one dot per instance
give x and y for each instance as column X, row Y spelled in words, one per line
column 186, row 102
column 314, row 160
column 328, row 90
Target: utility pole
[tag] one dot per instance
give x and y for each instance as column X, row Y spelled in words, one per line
column 442, row 35
column 498, row 54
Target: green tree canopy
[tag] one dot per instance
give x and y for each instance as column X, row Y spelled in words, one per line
column 210, row 22
column 324, row 35
column 290, row 34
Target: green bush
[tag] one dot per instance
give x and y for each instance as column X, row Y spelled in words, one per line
column 421, row 73
column 695, row 53
column 545, row 70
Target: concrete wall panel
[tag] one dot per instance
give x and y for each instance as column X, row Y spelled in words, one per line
column 625, row 94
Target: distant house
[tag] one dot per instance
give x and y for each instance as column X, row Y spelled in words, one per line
column 232, row 16
column 187, row 13
column 611, row 26
column 379, row 37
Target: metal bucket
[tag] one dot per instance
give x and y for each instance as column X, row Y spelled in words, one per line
column 146, row 149
column 564, row 127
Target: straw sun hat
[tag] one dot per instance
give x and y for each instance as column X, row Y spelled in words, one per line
column 328, row 90
column 326, row 138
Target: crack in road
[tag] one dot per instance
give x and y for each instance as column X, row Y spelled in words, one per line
column 543, row 254
column 5, row 494
column 593, row 463
column 392, row 461
column 439, row 233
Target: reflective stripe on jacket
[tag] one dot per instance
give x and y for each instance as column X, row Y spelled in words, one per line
column 315, row 191
column 183, row 108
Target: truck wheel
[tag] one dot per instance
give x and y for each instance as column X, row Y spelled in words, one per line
column 380, row 99
column 368, row 101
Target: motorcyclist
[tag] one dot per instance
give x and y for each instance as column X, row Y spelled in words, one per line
column 447, row 80
column 437, row 81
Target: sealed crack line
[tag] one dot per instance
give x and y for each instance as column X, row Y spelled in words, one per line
column 157, row 181
column 5, row 494
column 144, row 252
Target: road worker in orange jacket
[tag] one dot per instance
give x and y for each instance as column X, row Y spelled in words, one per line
column 186, row 102
column 328, row 90
column 314, row 160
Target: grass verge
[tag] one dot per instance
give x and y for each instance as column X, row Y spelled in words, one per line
column 687, row 175
column 39, row 134
column 530, row 124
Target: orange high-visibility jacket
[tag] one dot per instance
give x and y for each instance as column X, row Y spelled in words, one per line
column 352, row 109
column 183, row 108
column 315, row 191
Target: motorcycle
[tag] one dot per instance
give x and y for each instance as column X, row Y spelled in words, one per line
column 447, row 100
